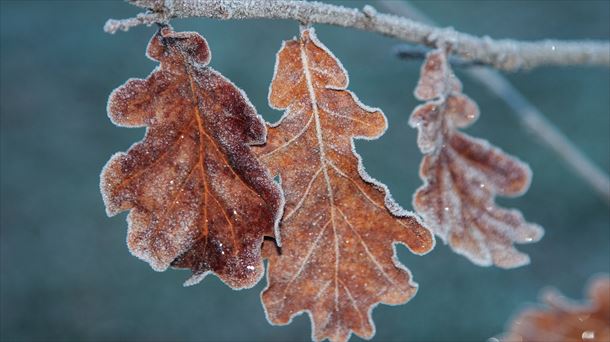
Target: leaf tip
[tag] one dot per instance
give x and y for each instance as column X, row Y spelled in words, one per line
column 167, row 45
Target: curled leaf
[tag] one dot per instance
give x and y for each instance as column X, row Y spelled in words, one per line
column 337, row 258
column 563, row 320
column 462, row 175
column 198, row 197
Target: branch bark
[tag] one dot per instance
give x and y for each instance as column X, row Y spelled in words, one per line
column 503, row 54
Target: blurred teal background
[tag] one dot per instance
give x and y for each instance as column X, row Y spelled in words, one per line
column 66, row 273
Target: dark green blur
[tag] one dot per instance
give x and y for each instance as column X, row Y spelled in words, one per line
column 66, row 273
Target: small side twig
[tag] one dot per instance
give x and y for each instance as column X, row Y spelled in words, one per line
column 148, row 18
column 418, row 52
column 503, row 54
column 529, row 116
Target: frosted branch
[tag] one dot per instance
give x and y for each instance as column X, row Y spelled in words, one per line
column 503, row 54
column 419, row 52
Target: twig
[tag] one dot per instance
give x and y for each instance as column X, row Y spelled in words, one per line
column 410, row 52
column 534, row 120
column 544, row 130
column 503, row 53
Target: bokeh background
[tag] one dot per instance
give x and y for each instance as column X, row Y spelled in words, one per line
column 66, row 273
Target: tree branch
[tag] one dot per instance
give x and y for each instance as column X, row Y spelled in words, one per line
column 419, row 52
column 503, row 54
column 537, row 124
column 530, row 117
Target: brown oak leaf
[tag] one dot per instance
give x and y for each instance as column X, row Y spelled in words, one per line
column 197, row 195
column 462, row 175
column 337, row 258
column 564, row 320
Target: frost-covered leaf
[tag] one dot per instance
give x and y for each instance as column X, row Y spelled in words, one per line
column 563, row 320
column 462, row 175
column 337, row 258
column 197, row 195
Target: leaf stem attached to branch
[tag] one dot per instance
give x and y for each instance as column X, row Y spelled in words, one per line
column 535, row 122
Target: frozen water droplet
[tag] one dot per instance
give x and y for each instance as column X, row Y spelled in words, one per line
column 234, row 212
column 529, row 239
column 446, row 208
column 251, row 268
column 171, row 182
column 588, row 335
column 553, row 48
column 482, row 185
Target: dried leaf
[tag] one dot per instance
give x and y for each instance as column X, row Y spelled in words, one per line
column 462, row 175
column 563, row 320
column 337, row 258
column 197, row 195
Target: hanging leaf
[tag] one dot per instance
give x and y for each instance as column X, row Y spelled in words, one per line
column 198, row 197
column 564, row 320
column 462, row 175
column 337, row 258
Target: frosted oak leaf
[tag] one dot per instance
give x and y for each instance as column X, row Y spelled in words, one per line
column 337, row 258
column 198, row 197
column 462, row 175
column 561, row 319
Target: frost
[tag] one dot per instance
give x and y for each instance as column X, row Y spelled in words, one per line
column 198, row 197
column 340, row 226
column 462, row 175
